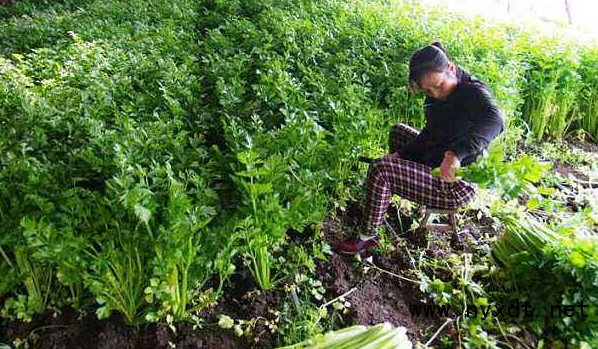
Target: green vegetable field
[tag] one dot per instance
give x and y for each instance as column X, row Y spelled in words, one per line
column 178, row 174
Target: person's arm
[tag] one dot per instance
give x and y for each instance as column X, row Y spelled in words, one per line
column 414, row 150
column 487, row 124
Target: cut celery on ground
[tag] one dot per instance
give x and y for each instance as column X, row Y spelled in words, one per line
column 381, row 336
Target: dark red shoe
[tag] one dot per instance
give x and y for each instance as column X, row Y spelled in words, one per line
column 356, row 245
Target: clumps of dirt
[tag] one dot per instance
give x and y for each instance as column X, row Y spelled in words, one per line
column 376, row 297
column 418, row 237
column 69, row 331
column 61, row 331
column 396, row 261
column 332, row 230
column 378, row 301
column 342, row 224
column 252, row 305
column 260, row 305
column 585, row 145
column 241, row 301
column 117, row 335
column 566, row 169
column 188, row 338
column 340, row 278
column 439, row 241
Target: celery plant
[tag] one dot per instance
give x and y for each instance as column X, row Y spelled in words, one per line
column 117, row 278
column 265, row 224
column 522, row 235
column 186, row 253
column 550, row 268
column 37, row 280
column 589, row 93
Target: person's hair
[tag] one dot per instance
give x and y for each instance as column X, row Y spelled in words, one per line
column 430, row 58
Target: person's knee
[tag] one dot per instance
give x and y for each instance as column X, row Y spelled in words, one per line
column 463, row 200
column 383, row 168
column 376, row 169
column 396, row 137
column 398, row 128
column 402, row 130
column 399, row 131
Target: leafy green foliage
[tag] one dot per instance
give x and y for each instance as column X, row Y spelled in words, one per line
column 552, row 269
column 117, row 277
column 147, row 144
column 510, row 179
column 553, row 89
column 263, row 228
column 107, row 175
column 37, row 280
column 588, row 95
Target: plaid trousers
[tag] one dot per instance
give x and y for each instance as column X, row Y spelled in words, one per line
column 410, row 180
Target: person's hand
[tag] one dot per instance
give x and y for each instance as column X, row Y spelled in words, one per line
column 449, row 166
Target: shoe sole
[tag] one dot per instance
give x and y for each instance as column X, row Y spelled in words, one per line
column 354, row 253
column 349, row 253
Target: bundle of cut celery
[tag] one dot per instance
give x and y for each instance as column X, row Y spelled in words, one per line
column 381, row 336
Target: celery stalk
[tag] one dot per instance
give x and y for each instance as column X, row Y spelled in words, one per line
column 330, row 338
column 381, row 336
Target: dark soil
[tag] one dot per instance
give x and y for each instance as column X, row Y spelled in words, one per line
column 375, row 297
column 586, row 145
column 375, row 294
column 68, row 331
column 566, row 169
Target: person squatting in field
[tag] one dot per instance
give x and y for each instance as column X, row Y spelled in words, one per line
column 462, row 118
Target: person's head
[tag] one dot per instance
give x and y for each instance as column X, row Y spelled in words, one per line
column 431, row 71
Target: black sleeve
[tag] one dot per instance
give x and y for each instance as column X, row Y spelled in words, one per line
column 414, row 150
column 487, row 123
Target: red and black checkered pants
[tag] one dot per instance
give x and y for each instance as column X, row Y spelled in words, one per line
column 409, row 180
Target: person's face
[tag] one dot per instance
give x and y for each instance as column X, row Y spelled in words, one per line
column 439, row 85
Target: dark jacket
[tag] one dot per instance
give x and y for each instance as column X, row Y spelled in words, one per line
column 465, row 122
